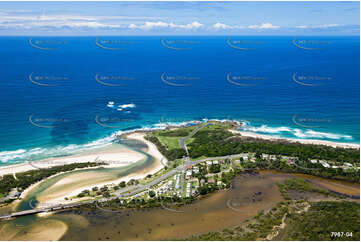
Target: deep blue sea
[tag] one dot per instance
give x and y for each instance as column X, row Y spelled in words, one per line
column 62, row 95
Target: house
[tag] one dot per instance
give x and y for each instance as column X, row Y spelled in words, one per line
column 272, row 157
column 265, row 156
column 244, row 156
column 215, row 162
column 209, row 163
column 219, row 183
column 202, row 182
column 314, row 161
column 196, row 170
column 14, row 194
column 189, row 167
column 211, row 181
column 188, row 174
column 347, row 164
column 325, row 164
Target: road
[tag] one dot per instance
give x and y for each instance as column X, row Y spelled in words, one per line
column 125, row 192
column 131, row 190
column 139, row 188
column 182, row 140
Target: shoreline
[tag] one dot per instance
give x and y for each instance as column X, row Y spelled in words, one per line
column 302, row 141
column 89, row 157
column 21, row 167
column 156, row 166
column 114, row 155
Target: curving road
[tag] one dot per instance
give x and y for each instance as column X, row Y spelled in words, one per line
column 131, row 190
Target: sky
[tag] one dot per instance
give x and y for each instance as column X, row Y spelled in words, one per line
column 179, row 18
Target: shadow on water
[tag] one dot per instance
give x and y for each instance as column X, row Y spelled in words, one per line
column 250, row 193
column 21, row 224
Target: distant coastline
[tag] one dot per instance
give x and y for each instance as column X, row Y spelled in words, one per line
column 111, row 153
column 302, row 141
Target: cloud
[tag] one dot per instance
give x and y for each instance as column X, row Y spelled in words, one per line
column 160, row 24
column 221, row 26
column 323, row 26
column 58, row 24
column 149, row 25
column 328, row 26
column 9, row 21
column 264, row 26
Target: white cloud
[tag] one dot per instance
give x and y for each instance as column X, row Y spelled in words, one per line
column 44, row 17
column 66, row 21
column 159, row 24
column 327, row 25
column 193, row 25
column 58, row 24
column 149, row 25
column 264, row 26
column 318, row 26
column 221, row 26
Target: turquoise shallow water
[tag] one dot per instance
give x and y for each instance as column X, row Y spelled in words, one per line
column 76, row 95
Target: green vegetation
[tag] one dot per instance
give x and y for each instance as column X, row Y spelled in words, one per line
column 170, row 138
column 257, row 229
column 318, row 223
column 122, row 184
column 305, row 167
column 322, row 219
column 215, row 140
column 141, row 203
column 170, row 142
column 25, row 179
column 300, row 185
column 215, row 169
column 152, row 193
column 220, row 142
column 170, row 154
column 181, row 132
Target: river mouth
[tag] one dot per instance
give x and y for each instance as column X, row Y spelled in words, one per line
column 60, row 185
column 250, row 193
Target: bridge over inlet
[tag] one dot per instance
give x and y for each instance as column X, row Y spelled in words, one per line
column 42, row 210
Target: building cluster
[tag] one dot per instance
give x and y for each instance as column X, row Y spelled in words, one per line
column 329, row 164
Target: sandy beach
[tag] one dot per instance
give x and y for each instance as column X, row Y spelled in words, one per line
column 74, row 183
column 114, row 155
column 302, row 141
column 46, row 230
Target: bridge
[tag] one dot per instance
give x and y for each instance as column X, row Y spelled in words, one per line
column 42, row 210
column 127, row 191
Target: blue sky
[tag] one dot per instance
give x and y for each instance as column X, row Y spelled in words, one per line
column 179, row 18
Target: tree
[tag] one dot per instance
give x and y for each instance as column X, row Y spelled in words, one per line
column 151, row 193
column 214, row 168
column 104, row 189
column 122, row 184
column 203, row 190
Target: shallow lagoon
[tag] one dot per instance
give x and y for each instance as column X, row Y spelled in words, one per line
column 250, row 193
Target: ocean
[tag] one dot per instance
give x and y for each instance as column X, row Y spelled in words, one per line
column 63, row 95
